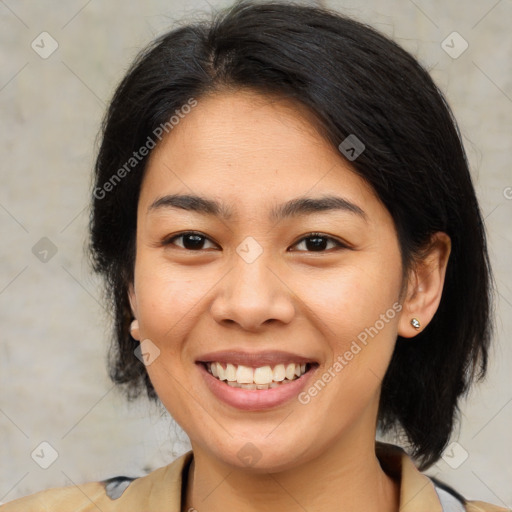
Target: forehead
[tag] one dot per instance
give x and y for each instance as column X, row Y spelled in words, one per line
column 249, row 148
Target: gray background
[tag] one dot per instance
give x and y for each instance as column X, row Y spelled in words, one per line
column 53, row 381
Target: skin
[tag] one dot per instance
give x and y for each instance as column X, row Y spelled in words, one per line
column 252, row 153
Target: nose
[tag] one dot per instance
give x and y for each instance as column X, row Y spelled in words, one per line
column 252, row 295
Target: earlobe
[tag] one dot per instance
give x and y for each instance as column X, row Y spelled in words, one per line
column 425, row 288
column 134, row 330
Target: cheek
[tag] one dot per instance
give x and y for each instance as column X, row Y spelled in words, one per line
column 357, row 311
column 348, row 300
column 167, row 302
column 165, row 299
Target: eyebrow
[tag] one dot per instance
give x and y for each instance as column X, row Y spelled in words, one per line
column 294, row 207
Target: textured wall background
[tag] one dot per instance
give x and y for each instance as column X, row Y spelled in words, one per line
column 53, row 381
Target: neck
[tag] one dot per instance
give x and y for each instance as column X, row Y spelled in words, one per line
column 346, row 476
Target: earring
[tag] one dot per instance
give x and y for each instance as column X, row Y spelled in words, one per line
column 415, row 323
column 133, row 326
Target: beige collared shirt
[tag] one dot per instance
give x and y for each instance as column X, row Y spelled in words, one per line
column 161, row 490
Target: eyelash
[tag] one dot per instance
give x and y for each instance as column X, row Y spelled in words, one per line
column 337, row 243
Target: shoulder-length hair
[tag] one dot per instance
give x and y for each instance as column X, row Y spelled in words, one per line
column 355, row 81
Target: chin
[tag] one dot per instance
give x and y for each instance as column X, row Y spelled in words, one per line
column 260, row 455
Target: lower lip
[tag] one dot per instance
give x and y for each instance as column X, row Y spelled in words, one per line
column 255, row 399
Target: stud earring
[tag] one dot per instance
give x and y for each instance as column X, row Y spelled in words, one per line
column 415, row 323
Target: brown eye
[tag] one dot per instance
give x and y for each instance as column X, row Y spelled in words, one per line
column 317, row 242
column 190, row 241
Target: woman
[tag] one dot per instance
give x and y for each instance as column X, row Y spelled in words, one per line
column 288, row 231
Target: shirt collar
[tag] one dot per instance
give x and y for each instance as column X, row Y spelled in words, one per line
column 417, row 492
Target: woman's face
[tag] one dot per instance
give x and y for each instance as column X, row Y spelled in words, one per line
column 253, row 287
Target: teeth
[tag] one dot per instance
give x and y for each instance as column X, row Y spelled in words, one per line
column 230, row 372
column 279, row 373
column 263, row 377
column 248, row 386
column 244, row 374
column 290, row 371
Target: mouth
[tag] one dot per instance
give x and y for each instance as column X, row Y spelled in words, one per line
column 257, row 378
column 256, row 381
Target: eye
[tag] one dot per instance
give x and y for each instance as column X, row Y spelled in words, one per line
column 318, row 242
column 196, row 241
column 190, row 240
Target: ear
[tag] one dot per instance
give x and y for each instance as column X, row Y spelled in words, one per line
column 425, row 285
column 134, row 327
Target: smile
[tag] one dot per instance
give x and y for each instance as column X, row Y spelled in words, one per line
column 256, row 381
column 263, row 377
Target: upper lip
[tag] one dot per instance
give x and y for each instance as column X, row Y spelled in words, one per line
column 254, row 359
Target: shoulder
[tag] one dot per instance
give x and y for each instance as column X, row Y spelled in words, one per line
column 126, row 494
column 480, row 506
column 420, row 491
column 81, row 498
column 451, row 500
